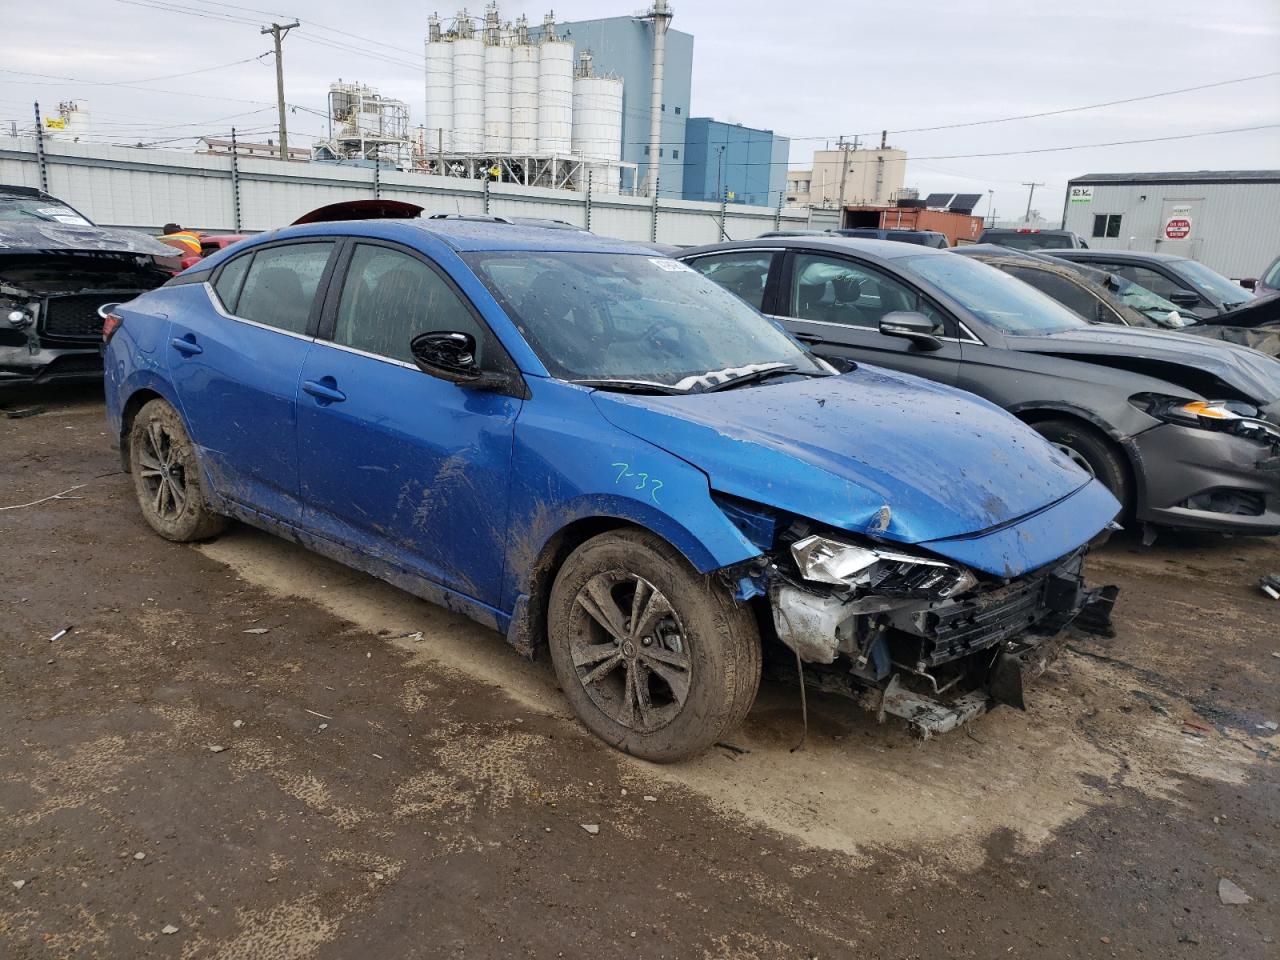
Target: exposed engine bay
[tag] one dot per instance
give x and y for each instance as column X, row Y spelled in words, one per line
column 912, row 635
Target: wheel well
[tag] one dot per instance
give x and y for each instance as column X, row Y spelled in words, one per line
column 552, row 557
column 135, row 403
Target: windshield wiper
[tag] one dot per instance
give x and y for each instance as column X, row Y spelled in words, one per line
column 757, row 375
column 631, row 386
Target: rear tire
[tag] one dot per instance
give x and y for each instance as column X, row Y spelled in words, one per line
column 167, row 478
column 674, row 681
column 1094, row 453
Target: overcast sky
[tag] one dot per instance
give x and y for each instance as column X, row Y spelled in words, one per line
column 811, row 71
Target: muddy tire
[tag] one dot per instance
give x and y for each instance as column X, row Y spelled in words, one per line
column 655, row 659
column 167, row 478
column 1094, row 453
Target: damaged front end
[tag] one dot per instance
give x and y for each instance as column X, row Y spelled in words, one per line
column 916, row 636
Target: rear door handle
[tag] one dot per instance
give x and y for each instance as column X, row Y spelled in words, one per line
column 325, row 390
column 187, row 345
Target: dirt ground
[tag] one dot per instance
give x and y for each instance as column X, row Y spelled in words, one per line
column 376, row 777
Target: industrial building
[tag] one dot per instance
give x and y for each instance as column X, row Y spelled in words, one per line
column 739, row 164
column 1214, row 216
column 365, row 128
column 849, row 176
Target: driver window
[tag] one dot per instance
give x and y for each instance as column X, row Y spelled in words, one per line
column 389, row 298
column 834, row 290
column 743, row 274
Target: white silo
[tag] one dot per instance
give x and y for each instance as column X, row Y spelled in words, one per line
column 597, row 125
column 497, row 99
column 524, row 96
column 555, row 93
column 438, row 125
column 468, row 87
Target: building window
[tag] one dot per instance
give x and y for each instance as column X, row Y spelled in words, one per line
column 660, row 151
column 677, row 111
column 646, row 151
column 675, row 154
column 1106, row 225
column 664, row 108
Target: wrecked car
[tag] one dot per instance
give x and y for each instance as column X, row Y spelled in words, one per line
column 56, row 270
column 1101, row 297
column 1195, row 288
column 604, row 455
column 1184, row 431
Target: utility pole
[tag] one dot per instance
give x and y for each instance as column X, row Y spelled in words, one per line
column 844, row 176
column 1031, row 193
column 278, row 32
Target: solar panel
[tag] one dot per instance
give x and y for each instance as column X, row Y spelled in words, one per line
column 964, row 202
column 939, row 200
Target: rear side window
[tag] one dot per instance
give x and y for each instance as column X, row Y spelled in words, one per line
column 744, row 274
column 390, row 297
column 281, row 285
column 230, row 280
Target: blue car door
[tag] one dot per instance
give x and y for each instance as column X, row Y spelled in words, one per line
column 235, row 364
column 410, row 469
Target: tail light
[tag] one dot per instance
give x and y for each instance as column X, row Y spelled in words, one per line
column 111, row 322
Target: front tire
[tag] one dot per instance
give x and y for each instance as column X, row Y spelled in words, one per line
column 656, row 659
column 166, row 476
column 1093, row 453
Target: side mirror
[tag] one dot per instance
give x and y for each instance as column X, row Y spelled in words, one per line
column 912, row 326
column 1249, row 283
column 451, row 355
column 1185, row 298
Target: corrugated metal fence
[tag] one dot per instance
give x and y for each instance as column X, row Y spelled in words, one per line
column 145, row 189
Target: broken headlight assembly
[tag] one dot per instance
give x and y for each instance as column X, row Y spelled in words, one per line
column 878, row 570
column 1227, row 416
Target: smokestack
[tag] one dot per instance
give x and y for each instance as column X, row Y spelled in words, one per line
column 661, row 17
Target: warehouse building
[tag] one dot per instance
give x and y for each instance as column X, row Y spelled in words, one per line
column 740, row 164
column 1215, row 216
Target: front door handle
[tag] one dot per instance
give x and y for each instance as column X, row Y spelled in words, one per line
column 809, row 338
column 325, row 390
column 187, row 345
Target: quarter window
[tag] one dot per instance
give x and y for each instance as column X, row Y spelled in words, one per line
column 230, row 280
column 281, row 285
column 743, row 274
column 390, row 297
column 1106, row 225
column 833, row 290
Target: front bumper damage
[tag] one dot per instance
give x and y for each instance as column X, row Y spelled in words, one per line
column 936, row 663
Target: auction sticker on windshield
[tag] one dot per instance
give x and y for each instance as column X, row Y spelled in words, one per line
column 663, row 263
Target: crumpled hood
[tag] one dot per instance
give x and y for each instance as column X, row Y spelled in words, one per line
column 840, row 449
column 64, row 237
column 1253, row 374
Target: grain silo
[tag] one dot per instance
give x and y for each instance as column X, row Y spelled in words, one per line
column 597, row 124
column 555, row 93
column 438, row 124
column 524, row 92
column 468, row 87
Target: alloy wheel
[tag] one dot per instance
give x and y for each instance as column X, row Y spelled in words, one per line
column 630, row 650
column 1076, row 457
column 163, row 473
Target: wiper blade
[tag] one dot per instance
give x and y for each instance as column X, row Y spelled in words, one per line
column 758, row 375
column 631, row 386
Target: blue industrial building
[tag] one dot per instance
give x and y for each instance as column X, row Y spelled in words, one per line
column 727, row 159
column 623, row 47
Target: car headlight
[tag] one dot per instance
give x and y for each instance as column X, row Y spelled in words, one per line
column 878, row 570
column 1232, row 416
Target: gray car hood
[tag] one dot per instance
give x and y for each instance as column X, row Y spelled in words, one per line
column 1164, row 354
column 68, row 238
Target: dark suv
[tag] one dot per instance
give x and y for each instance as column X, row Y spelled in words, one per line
column 1024, row 238
column 925, row 238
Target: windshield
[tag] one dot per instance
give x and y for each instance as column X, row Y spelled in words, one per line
column 1029, row 241
column 607, row 316
column 993, row 296
column 1214, row 284
column 46, row 211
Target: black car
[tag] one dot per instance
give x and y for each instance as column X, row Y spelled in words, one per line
column 1026, row 238
column 1188, row 283
column 923, row 238
column 1102, row 297
column 1185, row 431
column 56, row 269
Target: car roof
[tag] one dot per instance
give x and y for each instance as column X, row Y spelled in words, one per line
column 1137, row 256
column 1028, row 230
column 883, row 249
column 468, row 236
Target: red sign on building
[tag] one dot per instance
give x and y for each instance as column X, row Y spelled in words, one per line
column 1177, row 228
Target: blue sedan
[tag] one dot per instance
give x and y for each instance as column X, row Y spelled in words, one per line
column 601, row 453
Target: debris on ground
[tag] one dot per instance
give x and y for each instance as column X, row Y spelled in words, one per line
column 19, row 884
column 237, row 724
column 56, row 496
column 591, row 828
column 216, row 748
column 322, row 716
column 23, row 412
column 168, row 929
column 1231, row 894
column 257, row 630
column 1269, row 725
column 1270, row 585
column 732, row 747
column 60, row 634
column 139, row 855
